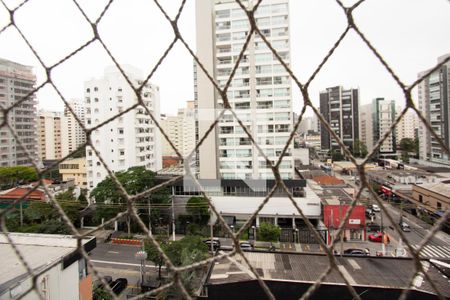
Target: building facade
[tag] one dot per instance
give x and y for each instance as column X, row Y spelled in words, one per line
column 49, row 135
column 16, row 82
column 340, row 108
column 434, row 103
column 407, row 127
column 72, row 134
column 260, row 92
column 129, row 140
column 74, row 169
column 180, row 130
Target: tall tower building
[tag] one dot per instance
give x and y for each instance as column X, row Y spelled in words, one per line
column 129, row 140
column 340, row 107
column 434, row 103
column 49, row 128
column 260, row 92
column 16, row 82
column 72, row 134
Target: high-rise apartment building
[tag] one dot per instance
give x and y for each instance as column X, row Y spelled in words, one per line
column 16, row 82
column 49, row 135
column 434, row 103
column 375, row 120
column 407, row 126
column 340, row 108
column 181, row 131
column 129, row 140
column 260, row 92
column 72, row 134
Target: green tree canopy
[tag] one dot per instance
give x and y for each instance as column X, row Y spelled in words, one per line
column 360, row 149
column 407, row 144
column 10, row 176
column 135, row 180
column 198, row 209
column 268, row 232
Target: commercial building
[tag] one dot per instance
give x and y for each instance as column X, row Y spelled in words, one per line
column 260, row 92
column 63, row 272
column 237, row 200
column 74, row 169
column 49, row 128
column 434, row 104
column 434, row 197
column 129, row 140
column 340, row 108
column 16, row 83
column 72, row 134
column 181, row 131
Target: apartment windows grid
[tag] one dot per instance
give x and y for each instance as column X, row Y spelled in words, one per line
column 260, row 86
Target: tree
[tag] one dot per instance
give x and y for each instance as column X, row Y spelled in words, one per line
column 198, row 209
column 269, row 232
column 11, row 176
column 134, row 180
column 360, row 149
column 100, row 293
column 407, row 145
column 66, row 196
column 336, row 155
column 153, row 254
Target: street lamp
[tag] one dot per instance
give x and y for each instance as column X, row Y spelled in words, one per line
column 141, row 256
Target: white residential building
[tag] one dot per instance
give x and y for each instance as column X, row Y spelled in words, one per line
column 129, row 140
column 434, row 104
column 16, row 82
column 260, row 92
column 72, row 134
column 49, row 135
column 181, row 131
column 407, row 126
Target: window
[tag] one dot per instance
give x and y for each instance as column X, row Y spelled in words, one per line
column 439, row 205
column 95, row 89
column 420, row 198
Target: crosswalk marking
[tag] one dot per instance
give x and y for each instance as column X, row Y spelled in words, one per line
column 434, row 251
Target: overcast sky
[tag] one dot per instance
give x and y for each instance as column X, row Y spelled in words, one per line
column 410, row 34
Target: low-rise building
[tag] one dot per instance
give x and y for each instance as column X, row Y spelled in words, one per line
column 63, row 271
column 289, row 276
column 434, row 197
column 74, row 169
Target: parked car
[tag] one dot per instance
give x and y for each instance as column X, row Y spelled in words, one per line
column 357, row 252
column 405, row 227
column 373, row 227
column 215, row 242
column 119, row 285
column 108, row 279
column 375, row 208
column 369, row 213
column 377, row 237
column 246, row 246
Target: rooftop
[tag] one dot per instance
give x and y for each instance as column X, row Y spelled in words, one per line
column 442, row 188
column 39, row 251
column 17, row 193
column 328, row 180
column 381, row 272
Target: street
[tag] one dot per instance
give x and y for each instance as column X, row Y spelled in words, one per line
column 437, row 247
column 118, row 261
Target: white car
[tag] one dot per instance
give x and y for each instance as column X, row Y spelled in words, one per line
column 376, row 208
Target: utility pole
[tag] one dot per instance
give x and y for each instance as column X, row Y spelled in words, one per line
column 343, row 226
column 382, row 234
column 173, row 220
column 21, row 214
column 149, row 217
